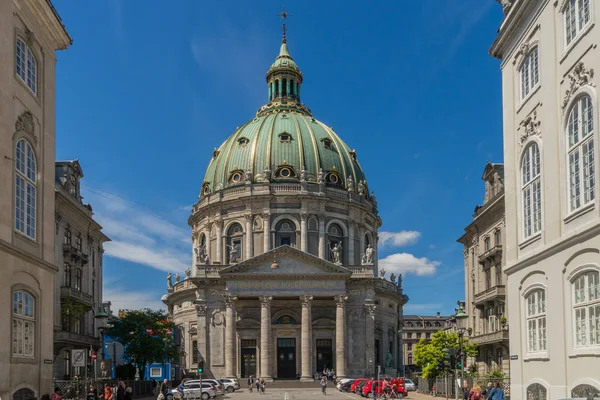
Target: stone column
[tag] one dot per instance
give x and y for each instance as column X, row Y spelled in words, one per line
column 265, row 337
column 340, row 336
column 322, row 250
column 248, row 236
column 266, row 232
column 219, row 224
column 306, row 338
column 370, row 367
column 203, row 334
column 230, row 339
column 351, row 255
column 303, row 231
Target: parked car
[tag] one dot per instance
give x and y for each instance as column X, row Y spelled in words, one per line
column 192, row 391
column 409, row 385
column 356, row 387
column 229, row 384
column 218, row 385
column 344, row 384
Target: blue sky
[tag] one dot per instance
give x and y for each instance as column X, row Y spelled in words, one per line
column 147, row 91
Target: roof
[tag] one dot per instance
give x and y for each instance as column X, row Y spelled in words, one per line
column 426, row 317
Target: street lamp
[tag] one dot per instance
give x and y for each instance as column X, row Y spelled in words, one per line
column 459, row 317
column 99, row 316
column 401, row 352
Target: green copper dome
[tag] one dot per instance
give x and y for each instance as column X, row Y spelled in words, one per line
column 284, row 143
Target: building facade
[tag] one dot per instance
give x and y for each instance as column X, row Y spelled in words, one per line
column 78, row 255
column 548, row 51
column 285, row 278
column 30, row 32
column 485, row 281
column 415, row 328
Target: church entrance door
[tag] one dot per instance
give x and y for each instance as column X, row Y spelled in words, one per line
column 248, row 358
column 324, row 355
column 286, row 358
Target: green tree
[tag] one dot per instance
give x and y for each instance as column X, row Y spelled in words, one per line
column 428, row 354
column 146, row 336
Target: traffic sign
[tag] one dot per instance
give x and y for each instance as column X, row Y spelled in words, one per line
column 93, row 356
column 78, row 357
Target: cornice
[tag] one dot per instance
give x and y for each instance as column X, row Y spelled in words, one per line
column 15, row 251
column 46, row 15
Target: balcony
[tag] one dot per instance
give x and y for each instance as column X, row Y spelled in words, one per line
column 493, row 255
column 75, row 339
column 74, row 254
column 493, row 293
column 75, row 294
column 489, row 338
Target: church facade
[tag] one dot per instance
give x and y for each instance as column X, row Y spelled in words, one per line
column 285, row 279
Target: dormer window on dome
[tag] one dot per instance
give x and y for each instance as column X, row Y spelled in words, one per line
column 205, row 188
column 243, row 141
column 285, row 137
column 327, row 143
column 285, row 172
column 236, row 176
column 334, row 178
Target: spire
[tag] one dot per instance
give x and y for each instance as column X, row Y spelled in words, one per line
column 283, row 16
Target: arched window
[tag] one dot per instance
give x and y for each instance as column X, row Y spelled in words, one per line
column 276, row 87
column 25, row 188
column 580, row 151
column 286, row 319
column 536, row 321
column 577, row 16
column 531, row 188
column 586, row 309
column 24, row 394
column 26, row 65
column 409, row 360
column 284, row 87
column 23, row 324
column 585, row 392
column 292, row 91
column 285, row 233
column 67, row 274
column 235, row 235
column 530, row 75
column 536, row 392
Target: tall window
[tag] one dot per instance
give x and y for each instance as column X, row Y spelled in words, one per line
column 78, row 243
column 68, row 236
column 580, row 132
column 234, row 243
column 488, row 278
column 536, row 321
column 577, row 16
column 498, row 275
column 25, row 188
column 26, row 65
column 531, row 188
column 285, row 233
column 23, row 331
column 586, row 309
column 530, row 75
column 486, row 243
column 67, row 274
column 497, row 238
column 194, row 352
column 78, row 278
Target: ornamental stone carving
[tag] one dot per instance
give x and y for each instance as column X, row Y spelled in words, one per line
column 506, row 5
column 340, row 300
column 229, row 300
column 201, row 309
column 25, row 123
column 530, row 127
column 370, row 308
column 306, row 301
column 580, row 76
column 265, row 301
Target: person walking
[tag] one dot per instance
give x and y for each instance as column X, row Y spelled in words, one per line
column 497, row 393
column 466, row 390
column 108, row 392
column 262, row 385
column 324, row 384
column 56, row 395
column 92, row 393
column 121, row 391
column 258, row 385
column 164, row 388
column 486, row 392
column 250, row 383
column 475, row 393
column 128, row 393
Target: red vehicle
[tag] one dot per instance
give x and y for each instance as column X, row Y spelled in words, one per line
column 367, row 390
column 355, row 385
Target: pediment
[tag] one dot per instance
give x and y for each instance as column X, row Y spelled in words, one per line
column 286, row 261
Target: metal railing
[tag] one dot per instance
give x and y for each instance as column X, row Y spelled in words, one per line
column 442, row 386
column 77, row 389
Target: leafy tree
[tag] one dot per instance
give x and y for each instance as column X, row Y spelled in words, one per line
column 146, row 336
column 429, row 354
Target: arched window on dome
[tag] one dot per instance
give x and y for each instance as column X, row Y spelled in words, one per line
column 292, row 88
column 276, row 87
column 235, row 236
column 285, row 233
column 335, row 237
column 284, row 87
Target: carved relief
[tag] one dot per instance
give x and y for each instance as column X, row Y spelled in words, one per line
column 25, row 123
column 370, row 308
column 530, row 127
column 506, row 5
column 229, row 300
column 340, row 300
column 306, row 301
column 580, row 76
column 201, row 309
column 265, row 301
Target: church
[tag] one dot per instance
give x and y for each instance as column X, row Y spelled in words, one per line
column 285, row 281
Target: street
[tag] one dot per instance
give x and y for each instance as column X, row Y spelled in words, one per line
column 305, row 394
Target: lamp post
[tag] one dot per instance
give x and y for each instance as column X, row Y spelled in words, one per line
column 401, row 352
column 99, row 316
column 458, row 319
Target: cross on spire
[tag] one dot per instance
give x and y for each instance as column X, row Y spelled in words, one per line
column 283, row 16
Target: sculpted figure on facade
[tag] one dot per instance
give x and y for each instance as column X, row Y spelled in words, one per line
column 188, row 272
column 336, row 253
column 169, row 281
column 201, row 254
column 321, row 176
column 369, row 251
column 303, row 175
column 382, row 273
column 177, row 277
column 361, row 188
column 393, row 278
column 233, row 252
column 248, row 177
column 350, row 183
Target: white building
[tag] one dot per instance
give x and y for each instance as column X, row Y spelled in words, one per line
column 30, row 33
column 549, row 54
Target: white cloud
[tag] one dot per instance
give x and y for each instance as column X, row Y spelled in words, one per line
column 405, row 263
column 139, row 235
column 421, row 308
column 396, row 239
column 121, row 299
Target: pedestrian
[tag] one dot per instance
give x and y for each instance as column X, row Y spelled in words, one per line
column 164, row 388
column 121, row 390
column 128, row 393
column 497, row 393
column 475, row 393
column 250, row 383
column 108, row 392
column 262, row 385
column 258, row 385
column 466, row 390
column 486, row 392
column 92, row 393
column 57, row 394
column 324, row 384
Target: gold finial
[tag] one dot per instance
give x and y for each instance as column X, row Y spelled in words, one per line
column 283, row 16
